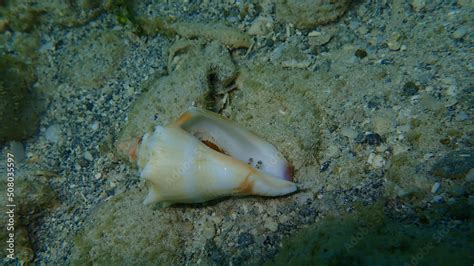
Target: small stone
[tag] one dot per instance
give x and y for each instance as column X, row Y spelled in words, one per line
column 324, row 166
column 435, row 187
column 261, row 26
column 455, row 165
column 394, row 43
column 437, row 199
column 283, row 219
column 349, row 132
column 410, row 88
column 82, row 162
column 360, row 53
column 52, row 133
column 271, row 225
column 88, row 156
column 372, row 139
column 18, row 150
column 381, row 148
column 459, row 33
column 318, row 38
column 376, row 160
column 95, row 125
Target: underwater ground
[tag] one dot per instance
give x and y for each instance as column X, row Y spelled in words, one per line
column 372, row 102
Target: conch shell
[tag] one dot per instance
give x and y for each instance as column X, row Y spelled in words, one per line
column 204, row 156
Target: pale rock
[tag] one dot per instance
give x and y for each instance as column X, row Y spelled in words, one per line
column 459, row 33
column 318, row 38
column 283, row 219
column 436, row 186
column 349, row 132
column 18, row 150
column 53, row 133
column 376, row 160
column 88, row 156
column 394, row 42
column 271, row 225
column 261, row 26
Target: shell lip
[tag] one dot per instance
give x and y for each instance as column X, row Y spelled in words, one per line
column 133, row 148
column 289, row 172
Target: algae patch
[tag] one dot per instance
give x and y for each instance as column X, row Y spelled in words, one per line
column 19, row 104
column 375, row 236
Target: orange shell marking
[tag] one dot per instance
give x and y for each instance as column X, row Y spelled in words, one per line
column 183, row 119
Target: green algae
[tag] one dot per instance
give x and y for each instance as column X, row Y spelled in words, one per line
column 375, row 236
column 19, row 105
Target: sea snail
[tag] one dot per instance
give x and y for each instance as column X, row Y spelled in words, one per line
column 204, row 156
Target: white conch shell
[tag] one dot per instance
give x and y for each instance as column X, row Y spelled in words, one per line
column 180, row 168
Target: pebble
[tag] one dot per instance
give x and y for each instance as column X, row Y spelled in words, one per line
column 349, row 132
column 95, row 125
column 360, row 53
column 435, row 187
column 271, row 225
column 410, row 88
column 317, row 38
column 372, row 139
column 437, row 199
column 261, row 26
column 376, row 160
column 394, row 42
column 283, row 219
column 52, row 133
column 88, row 156
column 459, row 33
column 17, row 149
